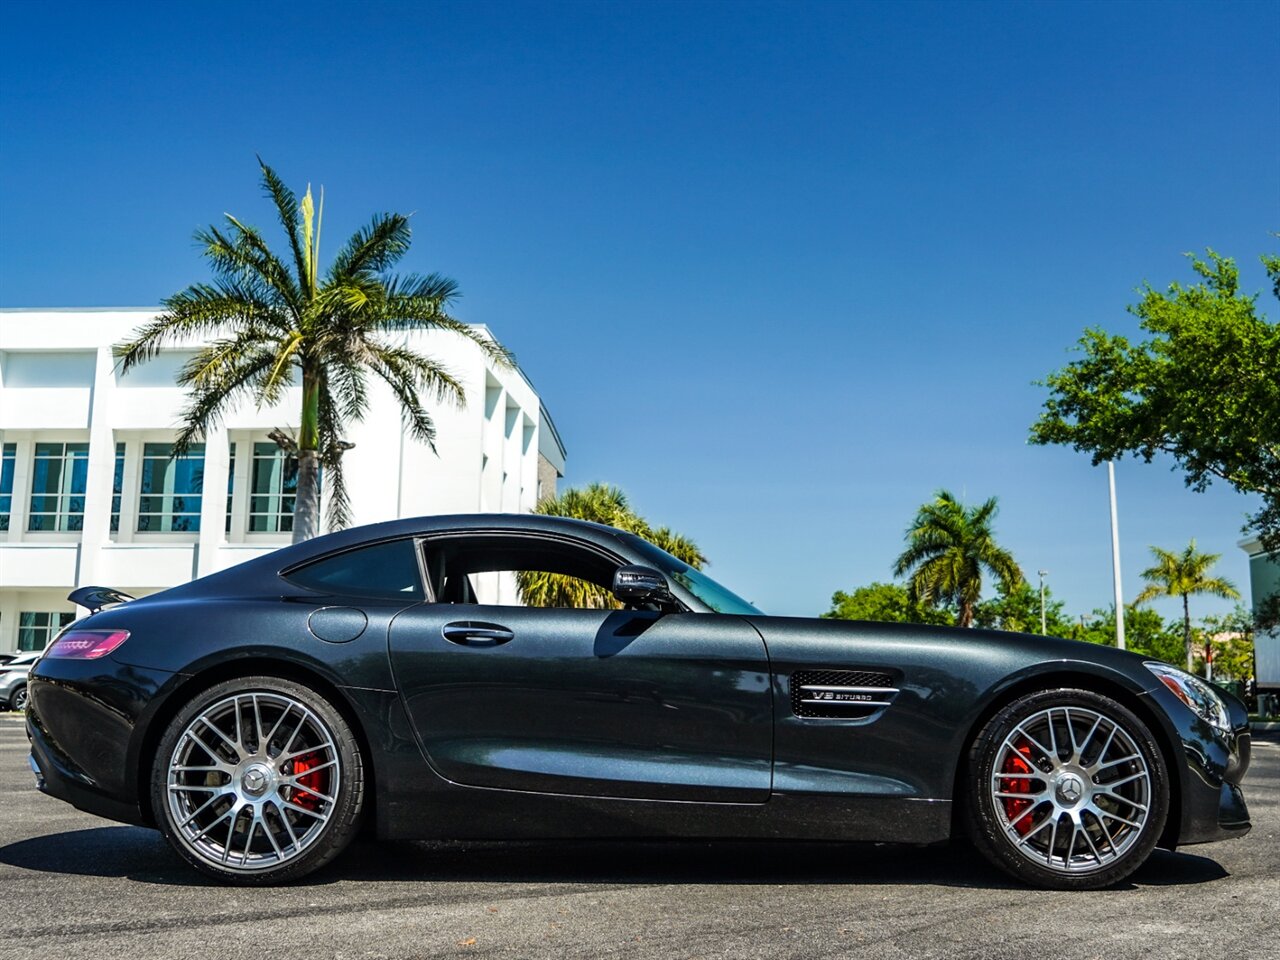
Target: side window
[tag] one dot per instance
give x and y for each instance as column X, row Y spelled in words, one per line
column 522, row 571
column 384, row 571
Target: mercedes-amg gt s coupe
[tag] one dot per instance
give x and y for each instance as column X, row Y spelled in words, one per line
column 260, row 717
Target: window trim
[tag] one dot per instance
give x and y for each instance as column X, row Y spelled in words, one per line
column 420, row 552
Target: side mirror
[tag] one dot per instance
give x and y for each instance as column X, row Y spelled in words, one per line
column 636, row 584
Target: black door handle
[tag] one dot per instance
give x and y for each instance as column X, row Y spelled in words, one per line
column 475, row 634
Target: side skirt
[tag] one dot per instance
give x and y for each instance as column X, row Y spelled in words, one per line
column 465, row 813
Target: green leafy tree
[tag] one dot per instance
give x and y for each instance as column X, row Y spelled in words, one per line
column 1184, row 575
column 270, row 321
column 1018, row 610
column 1205, row 389
column 1231, row 637
column 1145, row 632
column 886, row 603
column 606, row 504
column 1266, row 613
column 948, row 548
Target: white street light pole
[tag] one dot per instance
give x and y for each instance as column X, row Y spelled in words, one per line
column 1043, row 574
column 1115, row 556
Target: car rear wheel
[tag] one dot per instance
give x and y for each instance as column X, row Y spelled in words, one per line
column 258, row 780
column 1067, row 790
column 18, row 700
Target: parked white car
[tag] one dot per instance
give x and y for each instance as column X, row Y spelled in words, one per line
column 13, row 681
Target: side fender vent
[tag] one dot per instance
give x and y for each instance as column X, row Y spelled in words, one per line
column 840, row 694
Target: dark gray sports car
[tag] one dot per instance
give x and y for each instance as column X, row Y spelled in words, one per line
column 261, row 716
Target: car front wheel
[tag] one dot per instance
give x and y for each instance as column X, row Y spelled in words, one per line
column 1067, row 790
column 18, row 701
column 258, row 780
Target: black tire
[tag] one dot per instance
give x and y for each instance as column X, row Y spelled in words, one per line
column 1022, row 836
column 282, row 797
column 18, row 699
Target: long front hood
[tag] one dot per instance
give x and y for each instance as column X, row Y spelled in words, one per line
column 976, row 650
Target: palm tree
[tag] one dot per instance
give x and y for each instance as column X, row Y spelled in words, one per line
column 598, row 503
column 270, row 321
column 948, row 547
column 1184, row 575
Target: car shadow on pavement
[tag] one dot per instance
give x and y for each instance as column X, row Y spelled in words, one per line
column 143, row 856
column 110, row 852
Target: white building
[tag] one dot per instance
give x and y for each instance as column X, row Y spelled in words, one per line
column 89, row 494
column 1264, row 582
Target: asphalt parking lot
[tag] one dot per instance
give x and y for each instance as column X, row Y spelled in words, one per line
column 76, row 886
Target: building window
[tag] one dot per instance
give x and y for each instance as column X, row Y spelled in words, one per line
column 231, row 484
column 7, row 460
column 35, row 630
column 169, row 494
column 274, row 489
column 57, row 486
column 117, row 487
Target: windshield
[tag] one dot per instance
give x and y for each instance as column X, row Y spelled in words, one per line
column 719, row 598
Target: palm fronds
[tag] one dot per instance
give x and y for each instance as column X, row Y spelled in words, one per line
column 948, row 548
column 605, row 504
column 269, row 322
column 1184, row 575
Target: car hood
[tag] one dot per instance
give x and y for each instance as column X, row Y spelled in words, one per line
column 846, row 637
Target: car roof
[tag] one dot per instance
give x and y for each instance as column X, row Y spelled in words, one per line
column 435, row 525
column 244, row 575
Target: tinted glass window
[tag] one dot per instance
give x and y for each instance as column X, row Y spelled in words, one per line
column 384, row 571
column 58, row 477
column 171, row 490
column 275, row 488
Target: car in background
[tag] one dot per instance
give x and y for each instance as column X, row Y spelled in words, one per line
column 13, row 680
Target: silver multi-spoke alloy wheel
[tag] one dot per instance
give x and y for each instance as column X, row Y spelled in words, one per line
column 1072, row 788
column 252, row 781
column 258, row 781
column 1069, row 789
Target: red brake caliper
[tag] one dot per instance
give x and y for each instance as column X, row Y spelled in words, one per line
column 1018, row 762
column 315, row 780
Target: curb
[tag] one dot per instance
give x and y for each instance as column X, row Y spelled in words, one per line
column 1266, row 727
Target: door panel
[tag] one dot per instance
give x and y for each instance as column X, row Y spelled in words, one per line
column 593, row 702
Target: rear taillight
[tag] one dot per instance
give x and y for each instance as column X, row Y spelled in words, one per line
column 86, row 644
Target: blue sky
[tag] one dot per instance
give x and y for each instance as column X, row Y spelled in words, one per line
column 822, row 249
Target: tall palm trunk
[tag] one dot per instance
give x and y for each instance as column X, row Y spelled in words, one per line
column 306, row 511
column 1186, row 629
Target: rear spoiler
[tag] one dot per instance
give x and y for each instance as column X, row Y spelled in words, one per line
column 95, row 598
